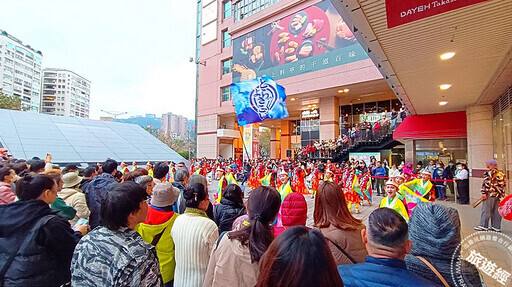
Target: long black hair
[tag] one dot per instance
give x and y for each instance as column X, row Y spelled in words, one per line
column 263, row 205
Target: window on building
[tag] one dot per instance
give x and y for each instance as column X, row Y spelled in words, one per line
column 226, row 94
column 226, row 66
column 226, row 39
column 226, row 8
column 245, row 8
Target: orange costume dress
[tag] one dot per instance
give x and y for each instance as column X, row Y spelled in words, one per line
column 253, row 181
column 298, row 181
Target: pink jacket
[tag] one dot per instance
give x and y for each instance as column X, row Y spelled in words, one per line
column 6, row 194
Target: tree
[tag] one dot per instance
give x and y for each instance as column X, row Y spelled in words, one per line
column 264, row 142
column 179, row 145
column 9, row 102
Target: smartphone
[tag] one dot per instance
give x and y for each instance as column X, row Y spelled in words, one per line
column 81, row 221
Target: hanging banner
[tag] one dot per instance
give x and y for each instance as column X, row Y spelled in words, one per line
column 247, row 138
column 400, row 12
column 251, row 141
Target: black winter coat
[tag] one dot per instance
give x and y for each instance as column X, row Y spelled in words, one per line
column 225, row 214
column 48, row 241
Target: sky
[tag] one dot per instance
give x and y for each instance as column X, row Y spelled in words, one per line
column 135, row 52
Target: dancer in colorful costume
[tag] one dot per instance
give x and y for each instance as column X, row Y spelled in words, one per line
column 419, row 189
column 393, row 201
column 222, row 183
column 350, row 190
column 298, row 180
column 267, row 180
column 253, row 181
column 315, row 180
column 284, row 189
column 329, row 176
column 149, row 167
column 229, row 176
column 365, row 185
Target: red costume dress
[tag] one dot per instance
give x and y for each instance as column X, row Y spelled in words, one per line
column 253, row 181
column 298, row 181
column 348, row 189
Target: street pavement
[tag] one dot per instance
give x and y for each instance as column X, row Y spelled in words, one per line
column 469, row 216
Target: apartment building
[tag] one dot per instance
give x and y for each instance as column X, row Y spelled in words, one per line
column 20, row 71
column 65, row 93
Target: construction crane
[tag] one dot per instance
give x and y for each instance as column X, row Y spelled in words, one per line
column 114, row 113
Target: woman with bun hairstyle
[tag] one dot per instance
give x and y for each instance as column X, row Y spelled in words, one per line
column 236, row 256
column 36, row 243
column 298, row 257
column 194, row 236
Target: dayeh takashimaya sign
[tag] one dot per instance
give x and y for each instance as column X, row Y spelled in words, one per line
column 312, row 39
column 404, row 11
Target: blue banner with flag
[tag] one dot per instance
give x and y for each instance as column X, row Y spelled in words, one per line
column 258, row 100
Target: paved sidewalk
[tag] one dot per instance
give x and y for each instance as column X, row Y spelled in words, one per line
column 469, row 218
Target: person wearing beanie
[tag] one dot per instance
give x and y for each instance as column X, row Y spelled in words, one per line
column 435, row 234
column 294, row 211
column 393, row 201
column 156, row 230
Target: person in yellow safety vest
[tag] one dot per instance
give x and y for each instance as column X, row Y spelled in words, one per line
column 134, row 166
column 392, row 200
column 149, row 167
column 222, row 183
column 229, row 175
column 328, row 176
column 285, row 187
column 124, row 168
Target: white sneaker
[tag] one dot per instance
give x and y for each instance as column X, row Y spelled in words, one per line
column 481, row 228
column 495, row 229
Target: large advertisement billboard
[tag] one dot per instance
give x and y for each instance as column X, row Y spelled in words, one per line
column 312, row 39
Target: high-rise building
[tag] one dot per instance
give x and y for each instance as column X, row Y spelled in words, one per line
column 65, row 93
column 174, row 126
column 306, row 47
column 20, row 69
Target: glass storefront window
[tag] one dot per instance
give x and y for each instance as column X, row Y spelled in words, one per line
column 441, row 150
column 502, row 134
column 309, row 131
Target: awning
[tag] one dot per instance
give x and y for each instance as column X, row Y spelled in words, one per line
column 433, row 126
